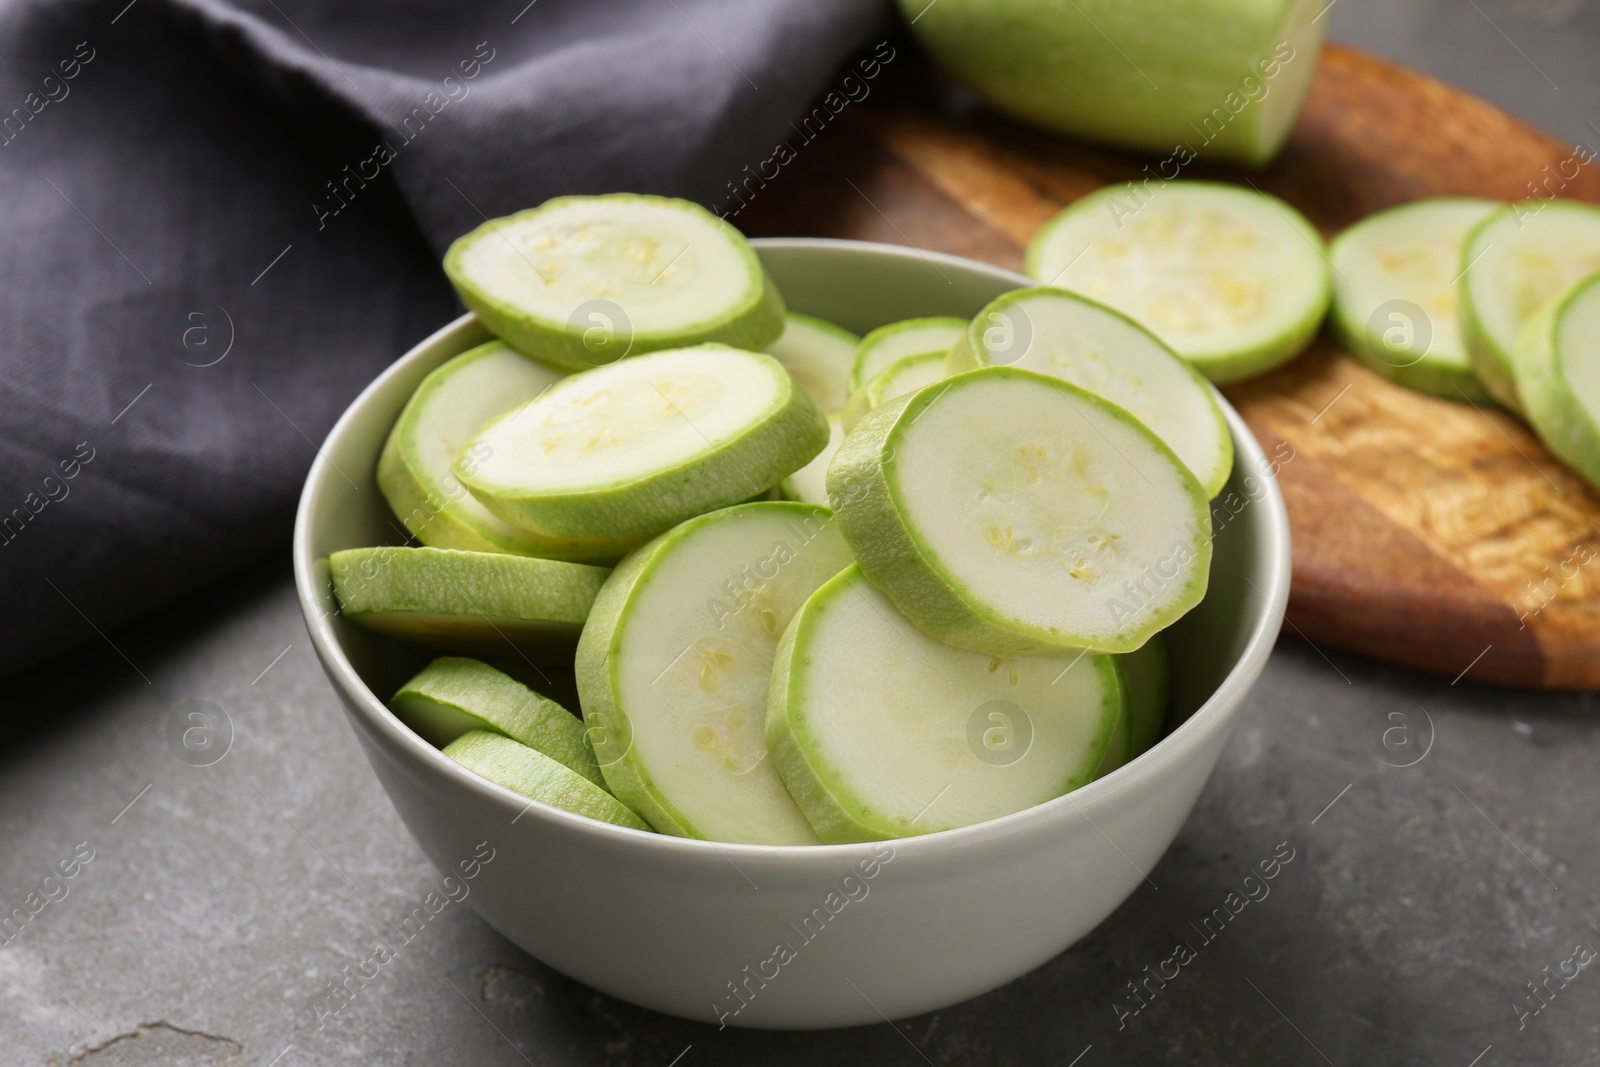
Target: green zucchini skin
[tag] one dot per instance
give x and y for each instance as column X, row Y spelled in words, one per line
column 772, row 444
column 1569, row 426
column 863, row 490
column 453, row 695
column 836, row 805
column 1221, row 79
column 754, row 321
column 532, row 774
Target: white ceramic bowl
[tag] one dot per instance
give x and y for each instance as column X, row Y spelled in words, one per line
column 695, row 928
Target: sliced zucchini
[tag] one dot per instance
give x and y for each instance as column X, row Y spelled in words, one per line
column 673, row 668
column 536, row 776
column 1145, row 670
column 819, row 355
column 1232, row 280
column 632, row 449
column 451, row 696
column 448, row 408
column 1515, row 261
column 880, row 731
column 809, row 484
column 1394, row 294
column 1119, row 750
column 1012, row 513
column 1217, row 79
column 1144, row 680
column 584, row 280
column 472, row 602
column 1070, row 337
column 897, row 379
column 896, row 341
column 1558, row 376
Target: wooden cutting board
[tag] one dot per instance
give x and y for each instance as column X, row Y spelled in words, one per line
column 1431, row 534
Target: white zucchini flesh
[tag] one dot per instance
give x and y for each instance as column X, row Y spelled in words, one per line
column 809, row 484
column 634, row 448
column 479, row 603
column 819, row 355
column 897, row 379
column 452, row 695
column 880, row 731
column 674, row 663
column 1013, row 513
column 1558, row 376
column 1514, row 262
column 450, row 406
column 1232, row 280
column 582, row 281
column 536, row 776
column 1071, row 337
column 911, row 337
column 1395, row 305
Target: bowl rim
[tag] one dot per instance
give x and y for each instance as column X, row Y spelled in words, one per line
column 1210, row 715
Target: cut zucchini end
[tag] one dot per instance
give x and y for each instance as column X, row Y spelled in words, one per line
column 534, row 775
column 667, row 273
column 1302, row 31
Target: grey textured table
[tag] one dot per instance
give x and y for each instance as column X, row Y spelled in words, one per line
column 218, row 900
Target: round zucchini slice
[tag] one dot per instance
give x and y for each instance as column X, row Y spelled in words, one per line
column 880, row 731
column 674, row 663
column 448, row 408
column 1395, row 306
column 1558, row 376
column 632, row 449
column 1071, row 337
column 1514, row 262
column 1015, row 514
column 1232, row 280
column 583, row 281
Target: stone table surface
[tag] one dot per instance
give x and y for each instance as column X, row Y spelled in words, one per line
column 209, row 904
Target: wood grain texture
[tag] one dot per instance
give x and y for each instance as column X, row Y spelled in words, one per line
column 1436, row 535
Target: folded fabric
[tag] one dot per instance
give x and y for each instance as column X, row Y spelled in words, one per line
column 221, row 220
